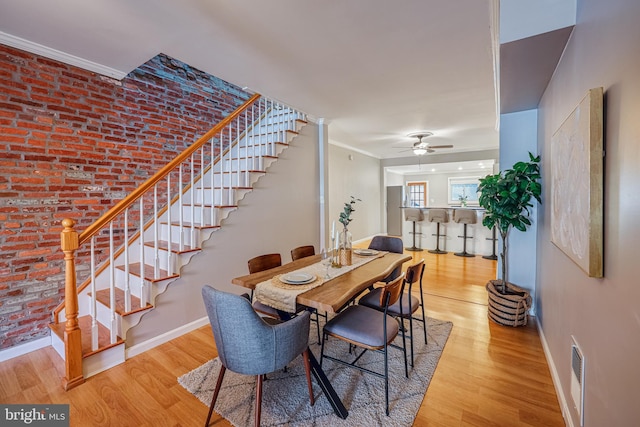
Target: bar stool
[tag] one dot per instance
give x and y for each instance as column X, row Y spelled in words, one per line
column 493, row 238
column 466, row 217
column 415, row 215
column 438, row 216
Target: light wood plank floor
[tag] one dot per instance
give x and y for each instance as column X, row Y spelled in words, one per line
column 488, row 375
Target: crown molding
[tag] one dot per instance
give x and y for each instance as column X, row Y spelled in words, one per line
column 50, row 53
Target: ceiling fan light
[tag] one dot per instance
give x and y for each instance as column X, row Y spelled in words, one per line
column 419, row 151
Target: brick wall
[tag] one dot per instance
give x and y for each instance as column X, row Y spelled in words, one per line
column 73, row 143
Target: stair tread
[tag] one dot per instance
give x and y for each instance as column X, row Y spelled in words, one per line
column 134, row 268
column 188, row 224
column 250, row 157
column 84, row 322
column 175, row 247
column 223, row 188
column 234, row 172
column 213, row 206
column 103, row 297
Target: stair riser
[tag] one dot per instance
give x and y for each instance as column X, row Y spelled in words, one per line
column 264, row 149
column 220, row 196
column 231, row 179
column 205, row 213
column 191, row 237
column 250, row 164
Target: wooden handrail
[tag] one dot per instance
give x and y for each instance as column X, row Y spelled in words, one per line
column 144, row 187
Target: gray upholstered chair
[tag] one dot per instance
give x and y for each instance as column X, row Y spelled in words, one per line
column 407, row 304
column 248, row 345
column 389, row 244
column 368, row 329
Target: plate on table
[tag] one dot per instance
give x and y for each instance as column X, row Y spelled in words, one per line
column 297, row 278
column 365, row 252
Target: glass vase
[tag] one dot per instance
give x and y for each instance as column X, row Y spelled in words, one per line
column 345, row 247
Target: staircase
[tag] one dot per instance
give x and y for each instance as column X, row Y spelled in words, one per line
column 142, row 244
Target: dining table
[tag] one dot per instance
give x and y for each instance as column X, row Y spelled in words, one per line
column 331, row 296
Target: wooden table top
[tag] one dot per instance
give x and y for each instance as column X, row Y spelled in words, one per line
column 334, row 294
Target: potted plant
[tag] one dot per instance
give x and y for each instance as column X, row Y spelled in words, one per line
column 506, row 198
column 344, row 240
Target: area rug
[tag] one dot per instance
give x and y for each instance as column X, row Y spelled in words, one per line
column 285, row 399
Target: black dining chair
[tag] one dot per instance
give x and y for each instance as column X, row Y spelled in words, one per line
column 247, row 345
column 368, row 329
column 407, row 304
column 388, row 244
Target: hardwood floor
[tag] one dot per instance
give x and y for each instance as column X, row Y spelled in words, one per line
column 488, row 375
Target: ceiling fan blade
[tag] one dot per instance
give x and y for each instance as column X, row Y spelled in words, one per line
column 440, row 146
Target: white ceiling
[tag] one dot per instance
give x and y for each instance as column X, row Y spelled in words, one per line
column 375, row 70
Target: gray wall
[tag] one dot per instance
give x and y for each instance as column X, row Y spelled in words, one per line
column 602, row 314
column 355, row 174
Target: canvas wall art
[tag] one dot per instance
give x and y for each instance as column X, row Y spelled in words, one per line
column 577, row 185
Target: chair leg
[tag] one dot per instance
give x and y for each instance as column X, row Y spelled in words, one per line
column 307, row 370
column 386, row 378
column 258, row 399
column 424, row 322
column 318, row 325
column 411, row 337
column 215, row 392
column 404, row 346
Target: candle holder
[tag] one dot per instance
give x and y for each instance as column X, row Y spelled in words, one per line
column 335, row 254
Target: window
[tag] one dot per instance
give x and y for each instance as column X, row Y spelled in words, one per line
column 417, row 194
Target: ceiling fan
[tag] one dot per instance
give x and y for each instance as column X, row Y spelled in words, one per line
column 420, row 148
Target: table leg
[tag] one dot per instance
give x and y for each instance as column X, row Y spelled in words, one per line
column 327, row 388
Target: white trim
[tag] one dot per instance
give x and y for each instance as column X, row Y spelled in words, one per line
column 22, row 349
column 357, row 150
column 167, row 336
column 67, row 58
column 556, row 378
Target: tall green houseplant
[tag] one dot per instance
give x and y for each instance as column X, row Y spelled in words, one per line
column 506, row 197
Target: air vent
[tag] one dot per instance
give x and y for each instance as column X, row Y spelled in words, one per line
column 577, row 379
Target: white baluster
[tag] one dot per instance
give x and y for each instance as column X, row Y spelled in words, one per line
column 156, row 249
column 112, row 289
column 143, row 288
column 201, row 179
column 180, row 213
column 169, row 252
column 127, row 284
column 94, row 308
column 193, row 205
column 212, row 175
column 222, row 202
column 238, row 144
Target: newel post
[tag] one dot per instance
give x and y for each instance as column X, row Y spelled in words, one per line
column 72, row 335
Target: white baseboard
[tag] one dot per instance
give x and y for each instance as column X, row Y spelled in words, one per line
column 167, row 336
column 22, row 349
column 556, row 378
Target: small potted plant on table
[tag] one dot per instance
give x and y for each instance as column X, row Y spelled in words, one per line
column 506, row 197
